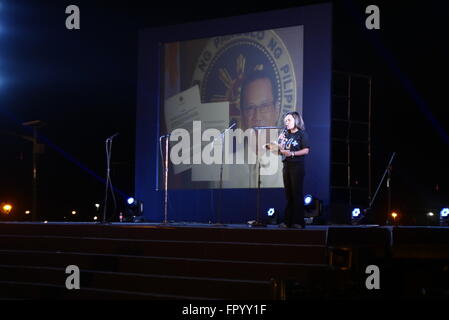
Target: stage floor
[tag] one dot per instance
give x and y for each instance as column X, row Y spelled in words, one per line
column 226, row 225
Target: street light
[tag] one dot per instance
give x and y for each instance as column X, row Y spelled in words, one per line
column 37, row 149
column 6, row 208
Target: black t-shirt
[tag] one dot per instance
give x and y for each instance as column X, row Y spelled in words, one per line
column 295, row 142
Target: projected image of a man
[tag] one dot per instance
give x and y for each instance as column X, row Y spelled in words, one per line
column 259, row 107
column 259, row 103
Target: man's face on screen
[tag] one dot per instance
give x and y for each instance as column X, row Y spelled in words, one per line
column 258, row 105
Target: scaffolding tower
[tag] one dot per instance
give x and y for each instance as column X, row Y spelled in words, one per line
column 350, row 144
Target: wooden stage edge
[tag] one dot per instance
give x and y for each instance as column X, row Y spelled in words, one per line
column 231, row 261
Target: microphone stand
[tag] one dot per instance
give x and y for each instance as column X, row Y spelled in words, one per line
column 108, row 144
column 222, row 135
column 387, row 173
column 258, row 222
column 165, row 177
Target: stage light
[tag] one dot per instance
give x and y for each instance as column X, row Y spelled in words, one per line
column 272, row 216
column 27, row 212
column 308, row 199
column 133, row 211
column 444, row 217
column 6, row 208
column 95, row 218
column 73, row 212
column 432, row 219
column 312, row 208
column 356, row 213
column 97, row 205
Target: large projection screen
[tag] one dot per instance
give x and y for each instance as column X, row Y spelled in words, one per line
column 204, row 64
column 203, row 81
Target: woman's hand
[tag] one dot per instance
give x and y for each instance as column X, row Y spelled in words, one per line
column 272, row 146
column 286, row 153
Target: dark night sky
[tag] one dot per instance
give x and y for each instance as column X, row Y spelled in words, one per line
column 83, row 84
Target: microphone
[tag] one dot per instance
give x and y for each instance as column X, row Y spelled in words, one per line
column 112, row 137
column 284, row 132
column 230, row 127
column 165, row 136
column 233, row 124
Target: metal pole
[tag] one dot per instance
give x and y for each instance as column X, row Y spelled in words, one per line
column 387, row 171
column 223, row 145
column 166, row 182
column 258, row 222
column 258, row 177
column 35, row 155
column 347, row 141
column 107, row 180
column 369, row 142
column 220, row 203
column 389, row 189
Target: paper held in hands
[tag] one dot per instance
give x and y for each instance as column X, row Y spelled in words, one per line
column 272, row 146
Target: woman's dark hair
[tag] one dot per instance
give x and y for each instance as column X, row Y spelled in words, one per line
column 299, row 122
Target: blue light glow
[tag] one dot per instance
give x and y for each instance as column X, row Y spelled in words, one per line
column 130, row 200
column 444, row 213
column 270, row 212
column 356, row 212
column 307, row 199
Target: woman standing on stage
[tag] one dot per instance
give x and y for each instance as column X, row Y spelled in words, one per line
column 293, row 146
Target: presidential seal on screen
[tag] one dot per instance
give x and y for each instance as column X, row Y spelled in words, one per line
column 226, row 61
